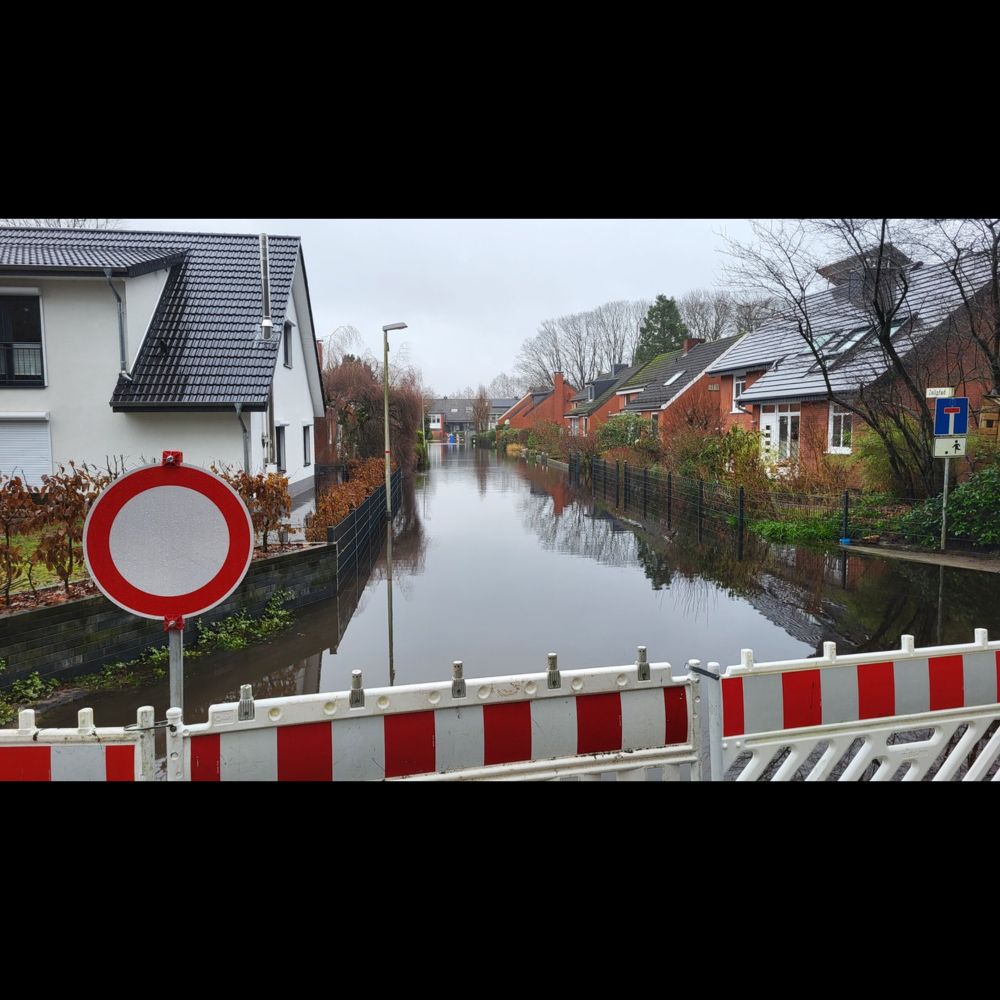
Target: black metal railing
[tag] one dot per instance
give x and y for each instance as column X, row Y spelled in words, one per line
column 21, row 364
column 359, row 536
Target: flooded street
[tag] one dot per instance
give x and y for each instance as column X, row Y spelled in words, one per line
column 497, row 563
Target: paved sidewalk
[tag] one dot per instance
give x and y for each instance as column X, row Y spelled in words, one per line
column 985, row 564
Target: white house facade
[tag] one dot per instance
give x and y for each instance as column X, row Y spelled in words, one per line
column 119, row 345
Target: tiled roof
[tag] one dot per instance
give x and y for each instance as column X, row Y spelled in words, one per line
column 680, row 372
column 648, row 372
column 202, row 349
column 931, row 298
column 127, row 261
column 604, row 389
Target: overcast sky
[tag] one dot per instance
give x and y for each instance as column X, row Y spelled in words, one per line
column 472, row 290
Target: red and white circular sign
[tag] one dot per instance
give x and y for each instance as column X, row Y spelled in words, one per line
column 166, row 541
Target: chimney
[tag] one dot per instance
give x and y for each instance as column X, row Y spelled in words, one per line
column 690, row 342
column 557, row 382
column 265, row 287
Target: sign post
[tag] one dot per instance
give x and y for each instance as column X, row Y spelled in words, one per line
column 951, row 421
column 168, row 541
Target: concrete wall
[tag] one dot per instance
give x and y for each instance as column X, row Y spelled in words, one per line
column 82, row 636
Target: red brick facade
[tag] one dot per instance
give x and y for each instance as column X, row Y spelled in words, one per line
column 549, row 410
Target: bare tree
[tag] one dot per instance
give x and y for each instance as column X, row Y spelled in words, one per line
column 707, row 313
column 637, row 311
column 751, row 311
column 578, row 347
column 540, row 355
column 60, row 223
column 481, row 410
column 612, row 330
column 504, row 386
column 970, row 249
column 785, row 261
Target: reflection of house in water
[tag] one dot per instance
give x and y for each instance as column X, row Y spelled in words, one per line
column 548, row 482
column 814, row 596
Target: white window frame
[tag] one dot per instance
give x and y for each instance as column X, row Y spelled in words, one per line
column 287, row 349
column 740, row 380
column 307, row 439
column 281, row 447
column 840, row 412
column 435, row 423
column 673, row 378
column 788, row 412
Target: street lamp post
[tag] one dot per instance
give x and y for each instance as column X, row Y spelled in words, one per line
column 388, row 485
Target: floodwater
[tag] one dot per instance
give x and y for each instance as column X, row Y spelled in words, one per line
column 497, row 563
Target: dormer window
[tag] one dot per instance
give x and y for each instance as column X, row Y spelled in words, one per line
column 590, row 392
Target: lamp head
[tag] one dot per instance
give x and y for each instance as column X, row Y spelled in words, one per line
column 393, row 326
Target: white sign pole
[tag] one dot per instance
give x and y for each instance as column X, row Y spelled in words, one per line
column 944, row 502
column 175, row 638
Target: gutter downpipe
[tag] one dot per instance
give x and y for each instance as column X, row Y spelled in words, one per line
column 246, row 438
column 123, row 360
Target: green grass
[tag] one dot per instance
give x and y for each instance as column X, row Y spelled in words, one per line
column 810, row 530
column 42, row 575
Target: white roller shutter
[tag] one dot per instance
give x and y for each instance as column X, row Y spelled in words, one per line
column 25, row 448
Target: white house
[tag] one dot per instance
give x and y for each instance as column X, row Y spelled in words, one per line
column 126, row 344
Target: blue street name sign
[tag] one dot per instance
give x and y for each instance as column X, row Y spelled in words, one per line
column 951, row 416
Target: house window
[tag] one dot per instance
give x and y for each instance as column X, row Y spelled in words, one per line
column 654, row 419
column 286, row 341
column 839, row 430
column 573, row 426
column 673, row 378
column 739, row 384
column 279, row 457
column 21, row 341
column 435, row 421
column 590, row 392
column 307, row 433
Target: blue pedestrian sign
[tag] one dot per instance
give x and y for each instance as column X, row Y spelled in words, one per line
column 951, row 416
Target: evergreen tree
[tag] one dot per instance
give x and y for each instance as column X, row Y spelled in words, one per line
column 662, row 330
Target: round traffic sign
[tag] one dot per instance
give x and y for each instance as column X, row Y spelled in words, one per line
column 166, row 541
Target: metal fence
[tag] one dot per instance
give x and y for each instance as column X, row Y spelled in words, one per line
column 725, row 511
column 359, row 536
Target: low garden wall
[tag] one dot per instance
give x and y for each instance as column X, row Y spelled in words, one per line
column 80, row 636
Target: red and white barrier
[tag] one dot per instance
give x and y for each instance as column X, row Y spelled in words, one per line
column 83, row 754
column 429, row 729
column 793, row 694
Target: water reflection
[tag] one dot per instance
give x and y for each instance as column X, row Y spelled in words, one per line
column 498, row 562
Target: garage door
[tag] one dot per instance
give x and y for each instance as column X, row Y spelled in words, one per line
column 25, row 449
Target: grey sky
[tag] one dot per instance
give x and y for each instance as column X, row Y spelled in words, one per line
column 472, row 290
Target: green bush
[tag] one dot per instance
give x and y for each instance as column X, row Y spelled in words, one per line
column 973, row 512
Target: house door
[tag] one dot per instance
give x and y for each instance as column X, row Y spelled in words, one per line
column 779, row 431
column 768, row 432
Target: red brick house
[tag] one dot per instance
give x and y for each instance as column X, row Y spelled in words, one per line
column 672, row 377
column 772, row 382
column 597, row 400
column 541, row 405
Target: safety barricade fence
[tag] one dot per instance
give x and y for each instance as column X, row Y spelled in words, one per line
column 86, row 753
column 631, row 721
column 904, row 714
